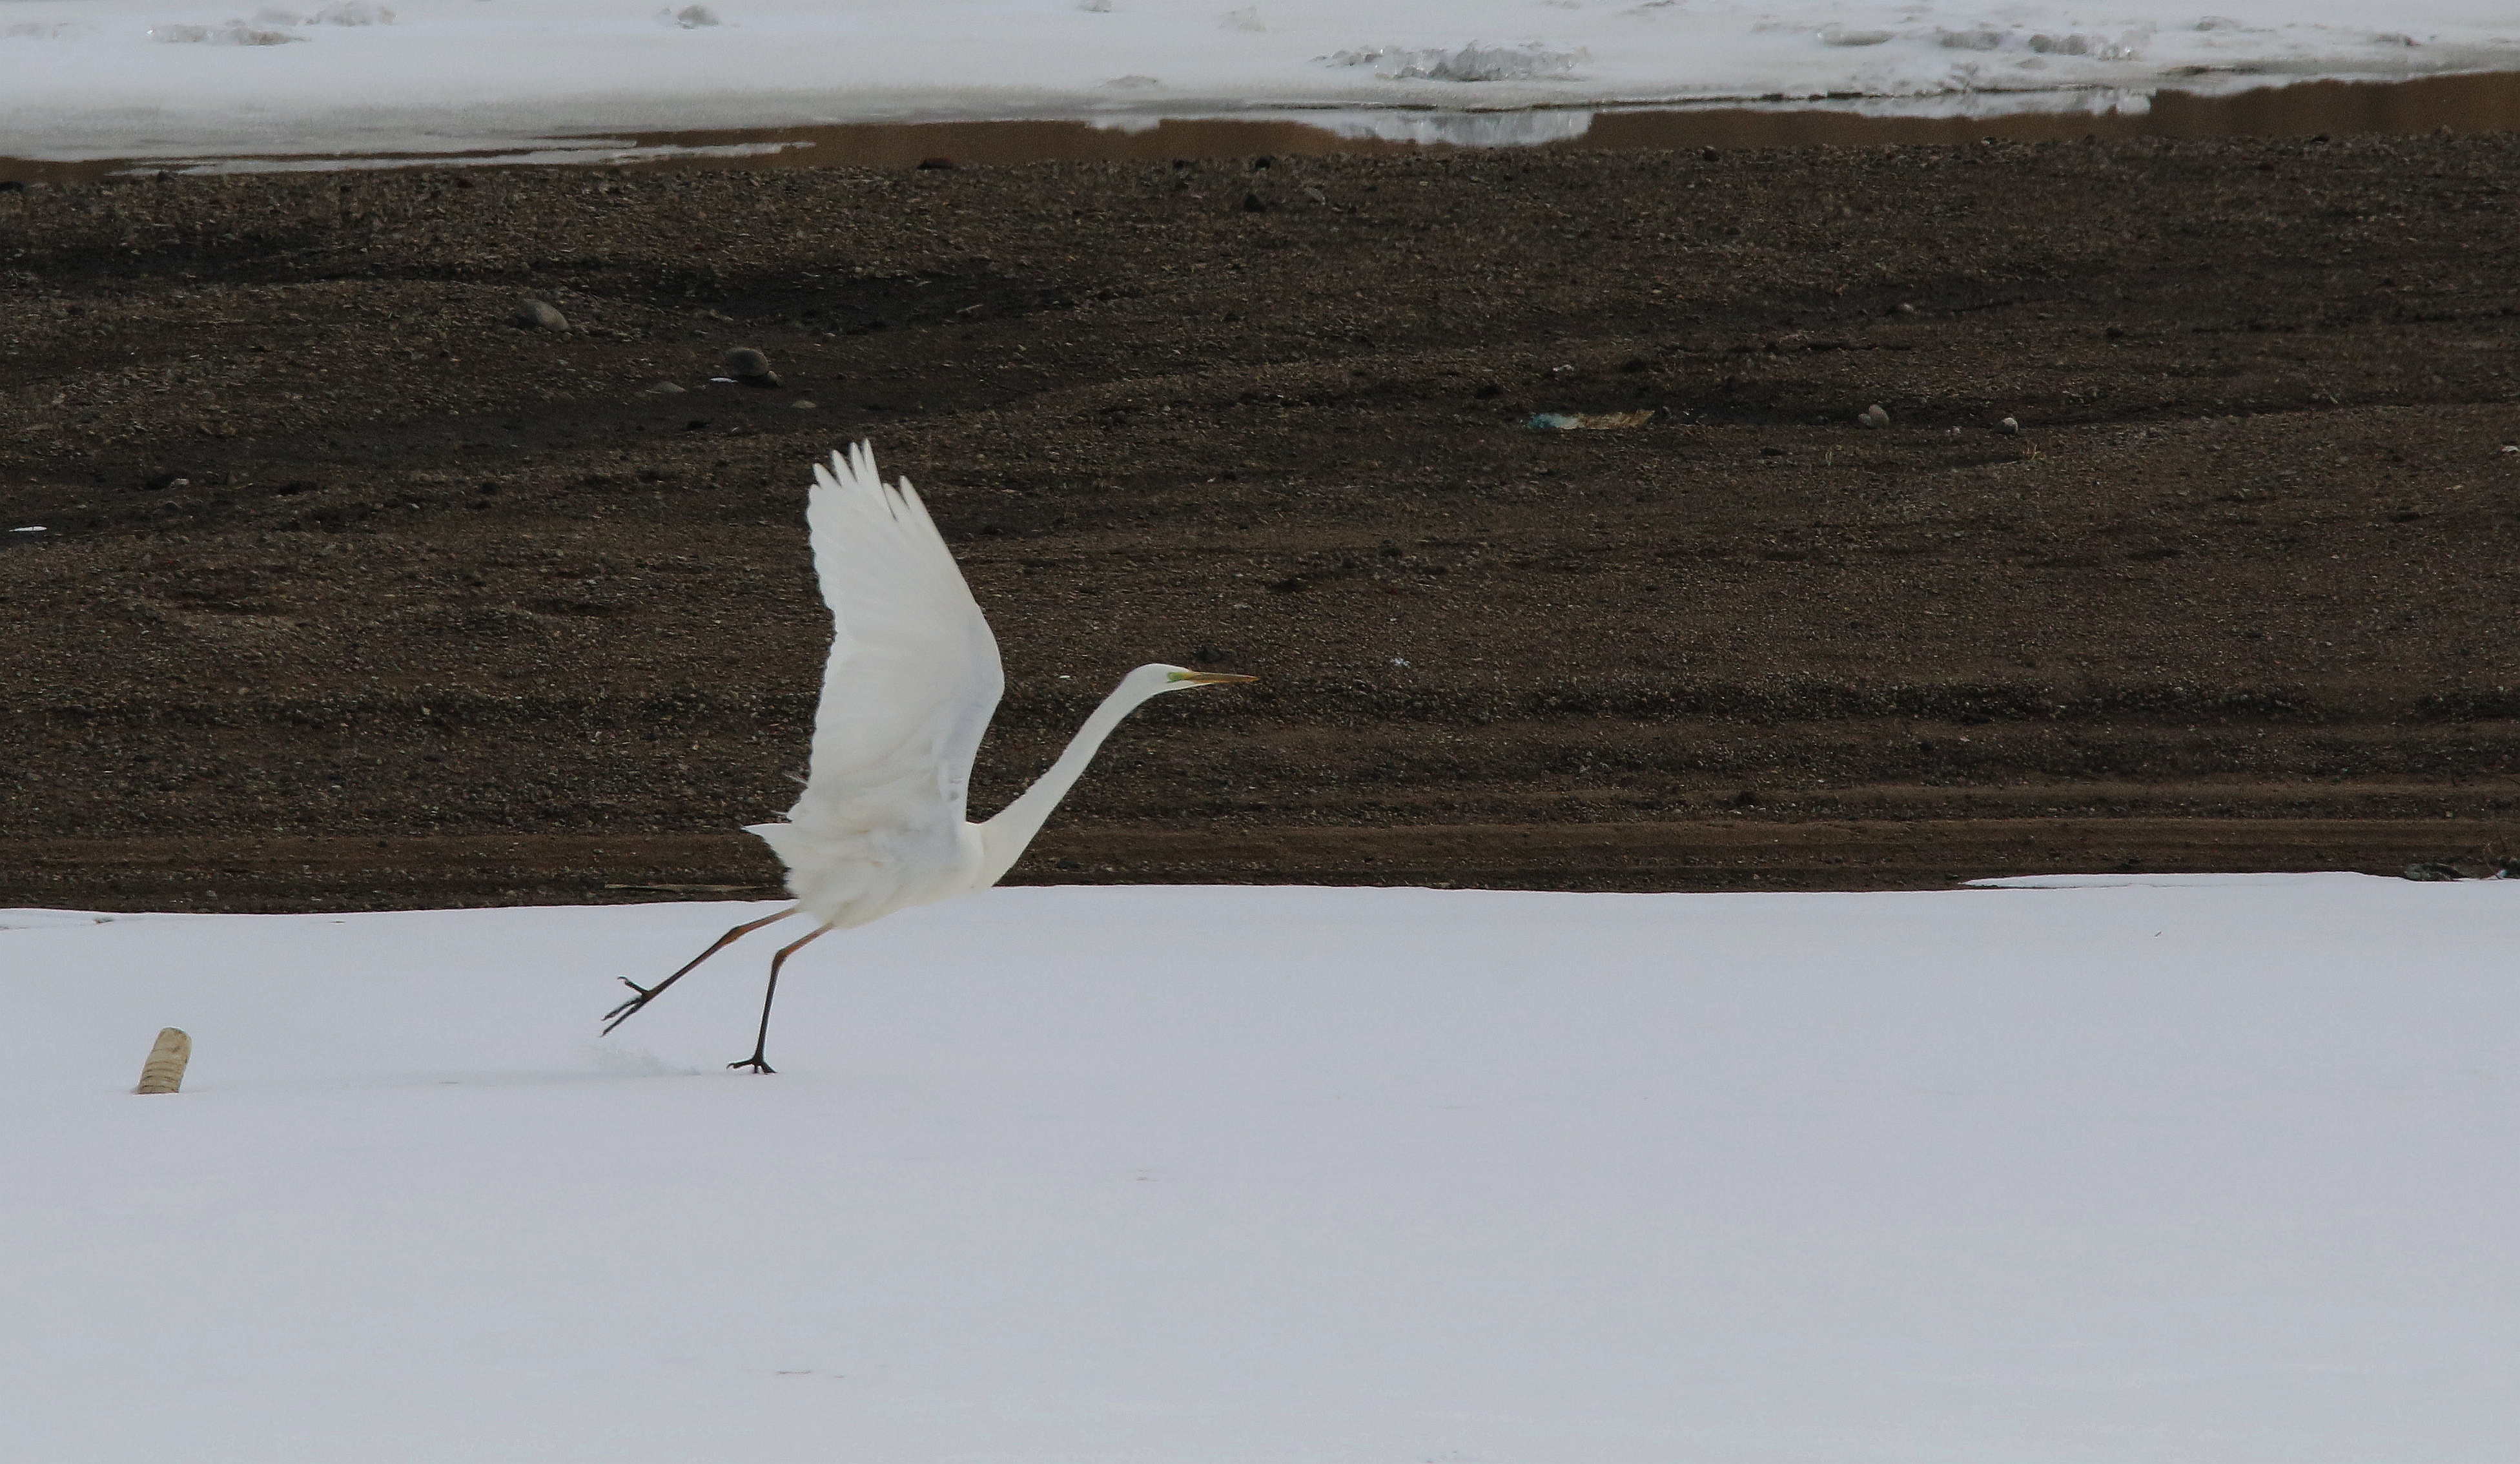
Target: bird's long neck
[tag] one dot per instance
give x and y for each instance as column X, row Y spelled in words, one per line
column 1003, row 839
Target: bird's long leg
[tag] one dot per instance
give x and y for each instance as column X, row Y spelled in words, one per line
column 755, row 1062
column 629, row 1009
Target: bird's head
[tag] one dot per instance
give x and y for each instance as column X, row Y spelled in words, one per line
column 1155, row 680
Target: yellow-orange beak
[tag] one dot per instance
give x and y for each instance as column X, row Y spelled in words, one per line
column 1209, row 678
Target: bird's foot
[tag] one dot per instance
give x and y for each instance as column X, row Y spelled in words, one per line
column 756, row 1062
column 623, row 1013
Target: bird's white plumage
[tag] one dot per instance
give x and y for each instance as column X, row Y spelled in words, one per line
column 911, row 684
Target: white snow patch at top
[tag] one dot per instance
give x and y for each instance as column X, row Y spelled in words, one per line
column 81, row 78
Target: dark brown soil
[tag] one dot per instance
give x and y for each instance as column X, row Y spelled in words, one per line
column 354, row 592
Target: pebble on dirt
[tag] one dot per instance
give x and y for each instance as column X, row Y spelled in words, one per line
column 2009, row 427
column 1874, row 416
column 540, row 315
column 749, row 367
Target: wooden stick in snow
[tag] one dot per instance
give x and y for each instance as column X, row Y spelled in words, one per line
column 164, row 1073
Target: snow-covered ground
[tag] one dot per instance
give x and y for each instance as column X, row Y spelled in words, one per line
column 2201, row 1170
column 164, row 78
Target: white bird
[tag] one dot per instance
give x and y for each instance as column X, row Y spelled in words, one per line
column 911, row 684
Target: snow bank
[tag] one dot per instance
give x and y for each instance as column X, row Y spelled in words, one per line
column 2184, row 1173
column 99, row 77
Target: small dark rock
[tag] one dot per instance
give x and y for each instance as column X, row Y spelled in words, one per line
column 1488, row 390
column 1252, row 203
column 935, row 165
column 749, row 367
column 165, row 481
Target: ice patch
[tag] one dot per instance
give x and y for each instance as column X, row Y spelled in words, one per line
column 233, row 33
column 351, row 12
column 270, row 25
column 575, row 152
column 1461, row 129
column 1471, row 62
column 2127, row 46
column 2340, row 880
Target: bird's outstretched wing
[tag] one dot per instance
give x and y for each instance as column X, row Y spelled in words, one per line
column 912, row 682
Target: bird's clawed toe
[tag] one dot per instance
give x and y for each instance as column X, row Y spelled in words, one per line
column 620, row 1014
column 755, row 1064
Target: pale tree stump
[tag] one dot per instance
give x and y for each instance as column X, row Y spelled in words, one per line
column 164, row 1073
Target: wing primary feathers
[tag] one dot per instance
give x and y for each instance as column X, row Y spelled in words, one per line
column 910, row 686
